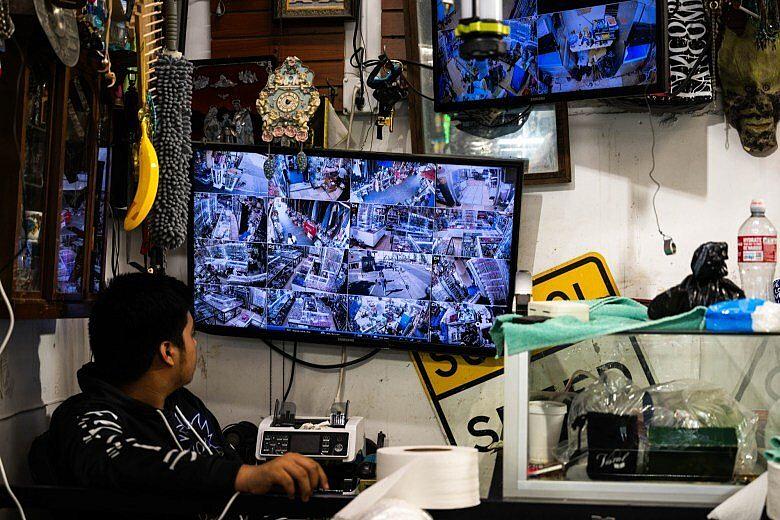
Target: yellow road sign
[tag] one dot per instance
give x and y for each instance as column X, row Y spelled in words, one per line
column 445, row 375
column 586, row 277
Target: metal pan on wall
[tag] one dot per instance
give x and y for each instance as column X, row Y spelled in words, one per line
column 61, row 29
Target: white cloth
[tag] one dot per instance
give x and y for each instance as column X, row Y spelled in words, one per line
column 745, row 504
column 766, row 318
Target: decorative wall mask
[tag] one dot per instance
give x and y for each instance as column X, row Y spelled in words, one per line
column 749, row 67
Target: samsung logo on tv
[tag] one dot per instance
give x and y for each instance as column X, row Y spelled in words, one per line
column 349, row 340
column 537, row 98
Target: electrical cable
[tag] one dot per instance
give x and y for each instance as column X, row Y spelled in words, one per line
column 419, row 93
column 358, row 52
column 3, row 346
column 348, row 137
column 318, row 366
column 284, row 370
column 369, row 130
column 652, row 169
column 270, row 380
column 417, row 64
column 292, row 372
column 342, row 372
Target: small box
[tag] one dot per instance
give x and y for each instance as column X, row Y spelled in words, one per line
column 704, row 454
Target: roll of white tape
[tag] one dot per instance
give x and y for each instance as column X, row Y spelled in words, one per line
column 430, row 477
column 773, row 491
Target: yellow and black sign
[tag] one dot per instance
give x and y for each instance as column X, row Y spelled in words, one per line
column 586, row 277
column 467, row 413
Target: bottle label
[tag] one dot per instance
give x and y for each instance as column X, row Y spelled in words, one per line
column 757, row 249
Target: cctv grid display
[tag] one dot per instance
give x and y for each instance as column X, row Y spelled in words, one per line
column 394, row 248
column 556, row 49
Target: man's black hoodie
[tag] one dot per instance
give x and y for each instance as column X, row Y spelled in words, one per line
column 103, row 438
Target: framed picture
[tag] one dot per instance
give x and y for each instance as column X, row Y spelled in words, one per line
column 543, row 139
column 292, row 9
column 224, row 93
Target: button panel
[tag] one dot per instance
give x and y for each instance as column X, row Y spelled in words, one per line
column 329, row 444
column 275, row 443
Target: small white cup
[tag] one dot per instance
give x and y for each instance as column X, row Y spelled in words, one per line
column 545, row 421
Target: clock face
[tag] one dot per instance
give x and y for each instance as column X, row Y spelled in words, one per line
column 288, row 102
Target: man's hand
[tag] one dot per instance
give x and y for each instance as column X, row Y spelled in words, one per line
column 286, row 472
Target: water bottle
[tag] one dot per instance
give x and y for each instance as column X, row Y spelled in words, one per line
column 757, row 253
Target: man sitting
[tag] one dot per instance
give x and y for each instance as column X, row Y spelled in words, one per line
column 134, row 426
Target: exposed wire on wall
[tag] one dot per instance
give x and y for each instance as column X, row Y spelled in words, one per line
column 358, row 54
column 347, row 139
column 369, row 130
column 3, row 346
column 342, row 371
column 317, row 366
column 292, row 372
column 669, row 246
column 270, row 380
column 414, row 89
column 417, row 64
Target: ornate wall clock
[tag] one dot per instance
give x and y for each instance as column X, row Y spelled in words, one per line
column 288, row 101
column 286, row 104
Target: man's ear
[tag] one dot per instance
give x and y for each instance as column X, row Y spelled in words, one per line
column 166, row 353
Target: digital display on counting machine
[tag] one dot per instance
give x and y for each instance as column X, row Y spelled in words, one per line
column 305, row 444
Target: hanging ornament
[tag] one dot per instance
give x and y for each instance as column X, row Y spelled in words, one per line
column 288, row 102
column 268, row 166
column 301, row 159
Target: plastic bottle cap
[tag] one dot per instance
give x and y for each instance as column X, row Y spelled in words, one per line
column 757, row 206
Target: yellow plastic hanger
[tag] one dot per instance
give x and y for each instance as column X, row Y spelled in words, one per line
column 148, row 170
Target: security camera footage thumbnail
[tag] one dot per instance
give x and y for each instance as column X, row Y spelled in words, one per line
column 417, row 252
column 553, row 47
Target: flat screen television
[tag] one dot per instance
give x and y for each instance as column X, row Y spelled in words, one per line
column 356, row 248
column 557, row 50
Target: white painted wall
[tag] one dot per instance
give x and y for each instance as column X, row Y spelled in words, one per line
column 706, row 194
column 37, row 372
column 707, row 190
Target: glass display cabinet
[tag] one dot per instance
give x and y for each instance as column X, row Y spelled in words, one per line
column 55, row 147
column 669, row 419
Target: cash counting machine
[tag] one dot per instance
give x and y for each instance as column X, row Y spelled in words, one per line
column 336, row 442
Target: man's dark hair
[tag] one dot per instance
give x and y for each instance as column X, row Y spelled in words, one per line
column 132, row 316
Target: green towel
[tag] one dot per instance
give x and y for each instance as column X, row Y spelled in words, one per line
column 607, row 316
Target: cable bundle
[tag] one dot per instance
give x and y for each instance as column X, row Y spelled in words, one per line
column 173, row 104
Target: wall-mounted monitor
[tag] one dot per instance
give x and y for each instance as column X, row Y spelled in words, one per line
column 358, row 248
column 556, row 50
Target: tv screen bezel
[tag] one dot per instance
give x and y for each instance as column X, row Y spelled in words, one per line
column 520, row 166
column 660, row 86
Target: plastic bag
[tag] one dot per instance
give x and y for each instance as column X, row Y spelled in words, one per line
column 621, row 418
column 732, row 316
column 707, row 285
column 767, row 318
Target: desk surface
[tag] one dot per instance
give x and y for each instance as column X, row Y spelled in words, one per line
column 60, row 499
